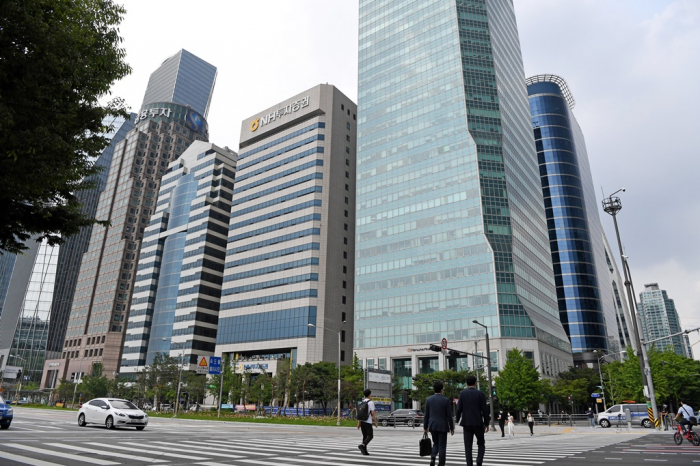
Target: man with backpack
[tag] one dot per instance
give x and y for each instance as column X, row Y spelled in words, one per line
column 366, row 414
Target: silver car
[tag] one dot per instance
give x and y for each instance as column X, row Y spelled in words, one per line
column 112, row 412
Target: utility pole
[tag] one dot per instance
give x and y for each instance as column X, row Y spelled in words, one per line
column 221, row 387
column 476, row 367
column 612, row 206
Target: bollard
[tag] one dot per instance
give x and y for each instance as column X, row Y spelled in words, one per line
column 628, row 416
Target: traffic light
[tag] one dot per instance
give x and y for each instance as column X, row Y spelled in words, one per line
column 571, row 398
column 494, row 392
column 435, row 348
column 453, row 353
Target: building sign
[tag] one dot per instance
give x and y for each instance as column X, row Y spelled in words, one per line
column 152, row 113
column 194, row 121
column 289, row 109
column 245, row 367
column 54, row 364
column 380, row 383
column 11, row 372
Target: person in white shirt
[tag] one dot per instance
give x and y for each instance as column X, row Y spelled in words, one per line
column 366, row 425
column 685, row 412
column 511, row 424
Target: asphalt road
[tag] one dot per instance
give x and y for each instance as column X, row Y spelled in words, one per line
column 47, row 438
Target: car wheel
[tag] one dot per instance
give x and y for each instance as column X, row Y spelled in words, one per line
column 81, row 420
column 385, row 423
column 409, row 423
column 646, row 423
column 4, row 426
column 109, row 423
column 140, row 427
column 678, row 438
column 605, row 423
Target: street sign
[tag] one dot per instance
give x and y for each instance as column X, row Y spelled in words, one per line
column 595, row 395
column 203, row 365
column 444, row 343
column 379, row 381
column 599, row 400
column 214, row 365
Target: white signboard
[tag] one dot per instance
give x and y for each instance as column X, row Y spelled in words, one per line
column 378, row 377
column 203, row 365
column 11, row 372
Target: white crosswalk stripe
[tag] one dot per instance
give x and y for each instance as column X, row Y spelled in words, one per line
column 59, row 454
column 111, row 454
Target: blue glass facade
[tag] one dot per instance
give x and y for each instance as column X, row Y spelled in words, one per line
column 450, row 222
column 586, row 301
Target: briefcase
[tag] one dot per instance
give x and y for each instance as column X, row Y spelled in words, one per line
column 426, row 446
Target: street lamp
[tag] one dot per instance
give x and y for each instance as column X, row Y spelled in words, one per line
column 488, row 371
column 179, row 380
column 337, row 333
column 612, row 206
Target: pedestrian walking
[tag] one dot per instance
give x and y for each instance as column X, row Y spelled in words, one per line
column 664, row 416
column 530, row 423
column 591, row 417
column 366, row 414
column 473, row 416
column 511, row 424
column 502, row 422
column 438, row 420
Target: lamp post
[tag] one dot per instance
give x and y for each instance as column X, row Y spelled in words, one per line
column 612, row 206
column 602, row 387
column 337, row 333
column 488, row 371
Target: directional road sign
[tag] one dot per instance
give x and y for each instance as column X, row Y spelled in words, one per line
column 595, row 395
column 214, row 365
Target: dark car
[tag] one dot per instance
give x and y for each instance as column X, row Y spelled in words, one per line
column 401, row 417
column 6, row 414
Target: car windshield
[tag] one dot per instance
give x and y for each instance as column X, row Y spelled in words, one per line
column 121, row 404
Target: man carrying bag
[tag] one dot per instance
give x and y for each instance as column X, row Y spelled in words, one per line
column 438, row 420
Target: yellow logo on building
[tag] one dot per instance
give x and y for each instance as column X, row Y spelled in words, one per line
column 254, row 124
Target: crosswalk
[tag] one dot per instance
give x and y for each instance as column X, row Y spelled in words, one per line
column 299, row 450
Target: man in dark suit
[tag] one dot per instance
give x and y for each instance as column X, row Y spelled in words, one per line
column 475, row 417
column 438, row 420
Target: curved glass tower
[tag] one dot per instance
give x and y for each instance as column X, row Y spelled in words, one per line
column 584, row 291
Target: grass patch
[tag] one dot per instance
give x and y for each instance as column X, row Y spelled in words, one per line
column 40, row 406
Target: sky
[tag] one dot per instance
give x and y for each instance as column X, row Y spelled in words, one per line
column 632, row 66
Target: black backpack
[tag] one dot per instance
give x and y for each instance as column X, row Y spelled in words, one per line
column 363, row 411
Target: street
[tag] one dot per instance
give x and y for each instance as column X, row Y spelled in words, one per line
column 45, row 438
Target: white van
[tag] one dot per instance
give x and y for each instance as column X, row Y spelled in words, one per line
column 616, row 413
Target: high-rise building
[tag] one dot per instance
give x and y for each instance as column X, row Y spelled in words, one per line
column 95, row 332
column 584, row 291
column 7, row 265
column 660, row 319
column 175, row 302
column 288, row 279
column 70, row 254
column 451, row 226
column 182, row 79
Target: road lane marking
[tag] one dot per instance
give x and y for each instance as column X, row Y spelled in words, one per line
column 60, row 455
column 220, row 446
column 106, row 453
column 158, row 453
column 25, row 460
column 169, row 446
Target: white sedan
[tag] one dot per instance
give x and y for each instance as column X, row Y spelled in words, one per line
column 112, row 413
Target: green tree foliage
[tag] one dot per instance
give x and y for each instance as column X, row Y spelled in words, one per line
column 64, row 391
column 195, row 385
column 58, row 59
column 159, row 380
column 453, row 382
column 233, row 383
column 578, row 382
column 352, row 382
column 518, row 385
column 95, row 385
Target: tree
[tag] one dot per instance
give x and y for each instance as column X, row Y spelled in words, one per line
column 58, row 59
column 195, row 385
column 95, row 385
column 352, row 382
column 64, row 391
column 453, row 382
column 518, row 385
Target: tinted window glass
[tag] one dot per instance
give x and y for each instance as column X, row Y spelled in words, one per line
column 613, row 409
column 95, row 402
column 122, row 404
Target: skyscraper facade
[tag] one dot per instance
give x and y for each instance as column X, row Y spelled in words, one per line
column 183, row 79
column 288, row 279
column 95, row 332
column 70, row 254
column 451, row 225
column 584, row 290
column 175, row 303
column 660, row 319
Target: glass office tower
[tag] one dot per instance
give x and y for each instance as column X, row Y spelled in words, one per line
column 660, row 319
column 175, row 304
column 584, row 290
column 450, row 219
column 183, row 79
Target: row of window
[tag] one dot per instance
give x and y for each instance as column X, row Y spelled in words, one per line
column 273, row 254
column 281, row 140
column 277, row 176
column 273, row 268
column 279, row 163
column 277, row 226
column 265, row 326
column 271, row 241
column 268, row 156
column 279, row 187
column 312, row 277
column 277, row 213
column 279, row 200
column 270, row 299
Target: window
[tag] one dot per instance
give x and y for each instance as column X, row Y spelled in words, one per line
column 345, row 254
column 342, row 355
column 345, row 240
column 347, row 213
column 345, row 226
column 347, row 138
column 353, row 116
column 348, row 112
column 345, row 269
column 347, row 174
column 347, row 162
column 343, row 316
column 348, row 125
column 342, row 107
column 345, row 300
column 342, row 336
column 347, row 201
column 345, row 284
column 347, row 188
column 347, row 150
